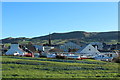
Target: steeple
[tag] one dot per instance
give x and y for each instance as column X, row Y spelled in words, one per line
column 49, row 40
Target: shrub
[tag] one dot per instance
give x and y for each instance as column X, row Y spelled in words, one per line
column 117, row 59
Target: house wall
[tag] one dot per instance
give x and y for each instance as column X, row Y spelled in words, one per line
column 110, row 54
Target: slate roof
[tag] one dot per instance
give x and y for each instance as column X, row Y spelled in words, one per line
column 82, row 48
column 31, row 48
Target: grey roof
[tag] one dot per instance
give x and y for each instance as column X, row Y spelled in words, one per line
column 82, row 48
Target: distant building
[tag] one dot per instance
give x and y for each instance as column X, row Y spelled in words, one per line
column 43, row 48
column 110, row 53
column 30, row 47
column 98, row 44
column 55, row 50
column 88, row 50
column 69, row 45
column 39, row 47
column 107, row 47
column 14, row 48
column 110, row 47
column 47, row 48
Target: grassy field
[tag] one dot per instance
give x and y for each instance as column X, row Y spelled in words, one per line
column 26, row 67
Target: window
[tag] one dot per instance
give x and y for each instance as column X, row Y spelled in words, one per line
column 89, row 49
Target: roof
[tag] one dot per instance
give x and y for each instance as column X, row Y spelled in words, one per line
column 31, row 47
column 104, row 51
column 106, row 47
column 55, row 50
column 76, row 43
column 71, row 43
column 82, row 48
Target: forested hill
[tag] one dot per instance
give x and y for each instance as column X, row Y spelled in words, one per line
column 78, row 35
column 81, row 35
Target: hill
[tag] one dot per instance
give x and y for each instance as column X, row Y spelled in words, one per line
column 113, row 35
column 75, row 35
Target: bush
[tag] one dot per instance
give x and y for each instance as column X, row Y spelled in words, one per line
column 117, row 60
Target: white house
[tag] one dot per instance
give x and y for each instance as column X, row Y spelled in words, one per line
column 69, row 45
column 88, row 50
column 14, row 48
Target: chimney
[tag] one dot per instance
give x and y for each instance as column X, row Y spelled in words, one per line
column 96, row 47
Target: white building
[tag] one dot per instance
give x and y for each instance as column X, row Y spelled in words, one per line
column 43, row 48
column 88, row 50
column 14, row 48
column 69, row 45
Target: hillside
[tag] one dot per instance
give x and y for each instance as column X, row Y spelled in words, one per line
column 76, row 35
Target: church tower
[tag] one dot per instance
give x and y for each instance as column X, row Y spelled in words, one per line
column 49, row 39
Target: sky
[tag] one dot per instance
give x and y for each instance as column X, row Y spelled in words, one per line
column 33, row 19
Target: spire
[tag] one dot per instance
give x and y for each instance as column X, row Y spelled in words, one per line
column 49, row 40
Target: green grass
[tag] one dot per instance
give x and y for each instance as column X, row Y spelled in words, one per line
column 26, row 67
